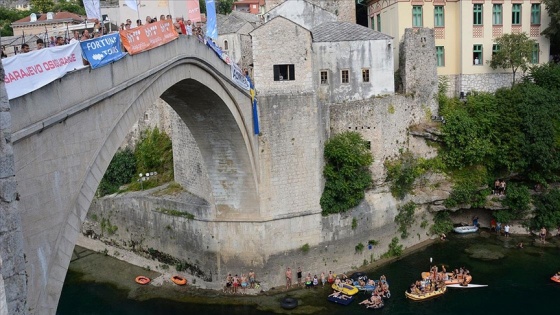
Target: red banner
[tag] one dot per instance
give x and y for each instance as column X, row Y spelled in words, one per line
column 148, row 36
column 193, row 11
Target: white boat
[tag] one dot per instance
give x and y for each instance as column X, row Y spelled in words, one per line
column 468, row 286
column 465, row 229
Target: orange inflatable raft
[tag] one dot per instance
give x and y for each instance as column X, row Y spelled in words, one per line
column 178, row 280
column 556, row 278
column 142, row 280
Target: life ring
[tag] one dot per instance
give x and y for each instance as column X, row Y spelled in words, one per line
column 178, row 280
column 388, row 295
column 142, row 280
column 289, row 303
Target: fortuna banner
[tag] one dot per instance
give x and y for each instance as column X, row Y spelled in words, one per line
column 148, row 36
column 28, row 72
column 102, row 50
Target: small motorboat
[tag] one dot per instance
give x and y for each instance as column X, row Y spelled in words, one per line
column 178, row 280
column 341, row 299
column 345, row 288
column 142, row 280
column 449, row 278
column 465, row 229
column 425, row 296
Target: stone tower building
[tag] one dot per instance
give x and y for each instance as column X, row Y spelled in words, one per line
column 418, row 62
column 345, row 10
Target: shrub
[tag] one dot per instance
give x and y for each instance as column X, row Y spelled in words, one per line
column 395, row 249
column 120, row 171
column 346, row 172
column 359, row 248
column 405, row 218
column 442, row 223
column 354, row 223
column 305, row 248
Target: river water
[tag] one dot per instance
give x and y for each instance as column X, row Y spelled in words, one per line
column 518, row 283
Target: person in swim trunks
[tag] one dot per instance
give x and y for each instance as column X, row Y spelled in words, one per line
column 288, row 278
column 299, row 276
column 252, row 279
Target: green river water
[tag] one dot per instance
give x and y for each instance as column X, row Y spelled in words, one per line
column 518, row 283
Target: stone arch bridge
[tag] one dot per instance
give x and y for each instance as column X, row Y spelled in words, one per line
column 65, row 134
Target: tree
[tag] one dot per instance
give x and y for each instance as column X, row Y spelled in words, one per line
column 73, row 7
column 7, row 17
column 42, row 6
column 514, row 52
column 224, row 6
column 346, row 172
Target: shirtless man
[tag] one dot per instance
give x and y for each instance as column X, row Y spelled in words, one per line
column 251, row 279
column 543, row 234
column 288, row 278
column 330, row 278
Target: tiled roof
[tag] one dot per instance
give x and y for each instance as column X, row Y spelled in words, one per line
column 249, row 17
column 42, row 17
column 345, row 31
column 228, row 24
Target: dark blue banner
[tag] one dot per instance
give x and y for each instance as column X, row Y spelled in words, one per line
column 102, row 50
column 211, row 22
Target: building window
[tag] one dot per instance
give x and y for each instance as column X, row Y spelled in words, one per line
column 324, row 77
column 226, row 45
column 536, row 14
column 495, row 49
column 372, row 23
column 417, row 16
column 344, row 76
column 440, row 56
column 477, row 14
column 497, row 14
column 536, row 51
column 365, row 75
column 439, row 20
column 516, row 14
column 284, row 73
column 379, row 22
column 477, row 54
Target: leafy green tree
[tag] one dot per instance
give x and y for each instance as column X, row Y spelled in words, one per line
column 42, row 6
column 224, row 6
column 154, row 152
column 120, row 171
column 7, row 17
column 515, row 51
column 547, row 211
column 346, row 172
column 74, row 7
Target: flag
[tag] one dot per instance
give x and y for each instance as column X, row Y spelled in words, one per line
column 93, row 10
column 132, row 4
column 256, row 117
column 211, row 23
column 193, row 11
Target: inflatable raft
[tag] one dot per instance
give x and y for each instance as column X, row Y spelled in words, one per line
column 142, row 280
column 425, row 296
column 345, row 289
column 341, row 299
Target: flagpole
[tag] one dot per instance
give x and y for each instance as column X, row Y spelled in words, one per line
column 138, row 9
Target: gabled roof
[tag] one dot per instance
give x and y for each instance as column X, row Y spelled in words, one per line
column 58, row 17
column 228, row 24
column 248, row 17
column 345, row 31
column 278, row 17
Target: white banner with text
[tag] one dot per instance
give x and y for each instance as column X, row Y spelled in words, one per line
column 28, row 72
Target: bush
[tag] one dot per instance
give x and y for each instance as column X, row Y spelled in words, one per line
column 354, row 223
column 154, row 153
column 120, row 171
column 442, row 223
column 402, row 173
column 359, row 248
column 305, row 248
column 405, row 218
column 547, row 212
column 346, row 172
column 395, row 249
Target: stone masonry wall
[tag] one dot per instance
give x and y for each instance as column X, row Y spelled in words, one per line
column 189, row 168
column 345, row 10
column 13, row 284
column 271, row 44
column 488, row 82
column 417, row 63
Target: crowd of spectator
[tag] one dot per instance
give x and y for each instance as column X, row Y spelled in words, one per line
column 182, row 27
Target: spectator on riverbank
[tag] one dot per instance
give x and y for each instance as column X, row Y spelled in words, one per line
column 288, row 278
column 543, row 234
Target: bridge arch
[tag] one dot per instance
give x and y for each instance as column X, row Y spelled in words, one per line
column 62, row 151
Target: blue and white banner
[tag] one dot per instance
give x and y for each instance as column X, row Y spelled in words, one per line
column 211, row 22
column 239, row 78
column 102, row 50
column 210, row 43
